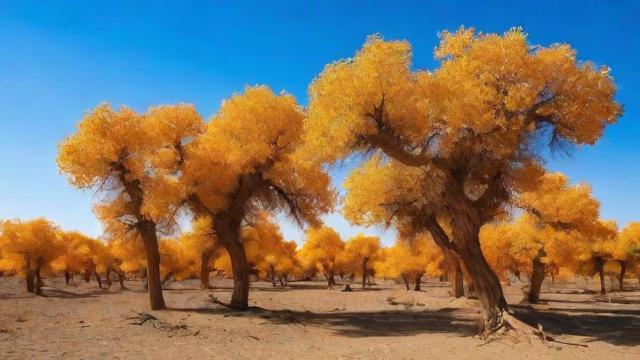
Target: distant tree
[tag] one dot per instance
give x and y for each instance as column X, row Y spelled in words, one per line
column 322, row 250
column 360, row 252
column 28, row 248
column 627, row 249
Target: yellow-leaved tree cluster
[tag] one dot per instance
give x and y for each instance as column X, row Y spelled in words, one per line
column 450, row 152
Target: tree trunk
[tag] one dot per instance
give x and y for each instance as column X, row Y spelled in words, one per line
column 600, row 268
column 150, row 238
column 98, row 279
column 331, row 279
column 537, row 276
column 38, row 281
column 205, row 269
column 30, row 279
column 272, row 275
column 87, row 274
column 454, row 275
column 405, row 278
column 240, row 295
column 364, row 272
column 121, row 280
column 623, row 270
column 418, row 281
column 67, row 277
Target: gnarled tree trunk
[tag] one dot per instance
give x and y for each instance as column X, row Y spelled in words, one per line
column 537, row 276
column 466, row 223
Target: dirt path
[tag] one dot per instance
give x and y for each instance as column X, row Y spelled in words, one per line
column 304, row 321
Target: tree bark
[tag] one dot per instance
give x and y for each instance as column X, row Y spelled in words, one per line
column 154, row 283
column 623, row 270
column 67, row 277
column 537, row 276
column 417, row 286
column 205, row 269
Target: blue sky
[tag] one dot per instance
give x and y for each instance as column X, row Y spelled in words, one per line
column 60, row 58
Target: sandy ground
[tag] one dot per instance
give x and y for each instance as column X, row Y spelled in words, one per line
column 304, row 320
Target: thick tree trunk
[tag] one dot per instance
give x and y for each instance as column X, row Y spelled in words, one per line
column 87, row 274
column 417, row 286
column 537, row 276
column 623, row 270
column 240, row 295
column 67, row 277
column 150, row 238
column 466, row 223
column 205, row 269
column 364, row 272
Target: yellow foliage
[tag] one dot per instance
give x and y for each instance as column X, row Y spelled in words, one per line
column 28, row 245
column 322, row 250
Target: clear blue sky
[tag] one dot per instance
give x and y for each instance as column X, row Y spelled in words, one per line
column 61, row 58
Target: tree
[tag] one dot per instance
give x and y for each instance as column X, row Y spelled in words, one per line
column 410, row 259
column 627, row 249
column 28, row 248
column 202, row 247
column 361, row 251
column 133, row 161
column 246, row 162
column 389, row 192
column 597, row 250
column 474, row 124
column 322, row 250
column 563, row 217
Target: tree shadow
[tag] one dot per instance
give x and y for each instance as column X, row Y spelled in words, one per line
column 614, row 326
column 62, row 294
column 462, row 322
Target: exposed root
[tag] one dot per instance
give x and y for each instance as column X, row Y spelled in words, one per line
column 522, row 331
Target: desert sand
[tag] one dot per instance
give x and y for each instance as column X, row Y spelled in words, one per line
column 305, row 320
